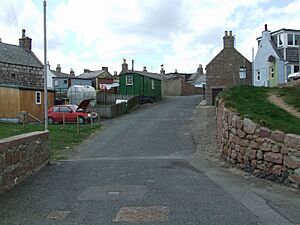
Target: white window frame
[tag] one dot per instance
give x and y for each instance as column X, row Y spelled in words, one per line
column 280, row 37
column 258, row 75
column 129, row 80
column 152, row 84
column 55, row 83
column 271, row 72
column 294, row 40
column 38, row 97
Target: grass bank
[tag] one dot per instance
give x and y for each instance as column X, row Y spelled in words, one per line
column 252, row 102
column 63, row 139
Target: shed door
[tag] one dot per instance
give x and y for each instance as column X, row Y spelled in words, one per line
column 215, row 92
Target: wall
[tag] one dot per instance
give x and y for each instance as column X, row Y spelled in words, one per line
column 22, row 156
column 178, row 87
column 9, row 105
column 23, row 75
column 273, row 155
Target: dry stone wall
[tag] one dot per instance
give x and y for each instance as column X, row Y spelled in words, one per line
column 273, row 155
column 21, row 156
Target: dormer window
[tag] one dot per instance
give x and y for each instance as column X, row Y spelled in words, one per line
column 280, row 40
column 293, row 40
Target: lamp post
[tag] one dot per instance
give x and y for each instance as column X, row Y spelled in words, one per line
column 45, row 69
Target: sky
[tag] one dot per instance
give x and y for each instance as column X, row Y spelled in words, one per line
column 181, row 34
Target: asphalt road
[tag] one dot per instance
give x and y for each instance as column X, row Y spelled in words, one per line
column 143, row 168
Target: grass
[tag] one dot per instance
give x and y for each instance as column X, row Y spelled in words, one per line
column 63, row 139
column 252, row 102
column 291, row 96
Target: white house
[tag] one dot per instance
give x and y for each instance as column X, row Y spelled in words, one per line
column 268, row 65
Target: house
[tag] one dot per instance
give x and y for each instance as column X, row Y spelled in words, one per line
column 178, row 84
column 22, row 81
column 61, row 82
column 277, row 57
column 142, row 83
column 99, row 78
column 228, row 68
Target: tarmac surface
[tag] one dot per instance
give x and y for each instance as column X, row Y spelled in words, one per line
column 156, row 165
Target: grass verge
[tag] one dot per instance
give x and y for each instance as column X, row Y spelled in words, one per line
column 252, row 102
column 63, row 139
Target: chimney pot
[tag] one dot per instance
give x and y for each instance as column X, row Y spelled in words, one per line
column 72, row 72
column 228, row 40
column 23, row 33
column 0, row 40
column 86, row 70
column 145, row 69
column 124, row 66
column 105, row 68
column 230, row 33
column 226, row 33
column 115, row 73
column 266, row 27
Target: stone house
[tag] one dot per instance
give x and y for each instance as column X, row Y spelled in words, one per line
column 99, row 78
column 226, row 69
column 277, row 57
column 22, row 81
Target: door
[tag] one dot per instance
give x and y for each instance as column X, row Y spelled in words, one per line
column 215, row 92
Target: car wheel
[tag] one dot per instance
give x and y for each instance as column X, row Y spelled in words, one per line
column 50, row 121
column 81, row 120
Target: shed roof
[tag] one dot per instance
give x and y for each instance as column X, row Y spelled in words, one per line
column 16, row 55
column 156, row 76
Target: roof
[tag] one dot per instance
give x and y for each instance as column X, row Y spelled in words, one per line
column 13, row 54
column 25, row 88
column 156, row 76
column 92, row 74
column 276, row 50
column 61, row 75
column 280, row 31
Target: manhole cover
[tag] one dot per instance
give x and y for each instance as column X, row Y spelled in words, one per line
column 58, row 215
column 140, row 214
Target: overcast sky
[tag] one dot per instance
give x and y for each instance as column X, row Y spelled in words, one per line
column 181, row 34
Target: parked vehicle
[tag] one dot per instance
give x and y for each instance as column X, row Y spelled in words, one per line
column 294, row 76
column 69, row 113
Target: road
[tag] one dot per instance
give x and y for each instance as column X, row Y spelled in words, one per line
column 148, row 167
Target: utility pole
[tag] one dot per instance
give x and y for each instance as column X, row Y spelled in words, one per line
column 45, row 69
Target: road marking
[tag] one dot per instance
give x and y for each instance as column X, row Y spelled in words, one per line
column 129, row 158
column 142, row 214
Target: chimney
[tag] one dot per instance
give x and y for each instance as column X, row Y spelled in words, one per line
column 266, row 35
column 58, row 68
column 124, row 66
column 228, row 40
column 0, row 40
column 162, row 70
column 72, row 73
column 86, row 70
column 176, row 71
column 144, row 69
column 105, row 68
column 25, row 42
column 115, row 73
column 200, row 69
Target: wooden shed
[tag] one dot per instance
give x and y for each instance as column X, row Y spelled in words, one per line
column 141, row 83
column 23, row 99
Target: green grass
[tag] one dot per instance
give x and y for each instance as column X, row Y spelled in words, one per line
column 291, row 96
column 252, row 102
column 63, row 139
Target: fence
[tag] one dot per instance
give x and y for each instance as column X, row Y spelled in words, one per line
column 107, row 108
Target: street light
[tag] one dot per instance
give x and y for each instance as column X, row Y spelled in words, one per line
column 45, row 69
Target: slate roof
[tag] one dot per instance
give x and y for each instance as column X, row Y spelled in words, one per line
column 61, row 75
column 156, row 76
column 92, row 74
column 16, row 55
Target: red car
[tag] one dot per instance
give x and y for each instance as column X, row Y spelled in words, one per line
column 69, row 113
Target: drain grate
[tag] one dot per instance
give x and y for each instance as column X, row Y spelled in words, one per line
column 142, row 214
column 58, row 215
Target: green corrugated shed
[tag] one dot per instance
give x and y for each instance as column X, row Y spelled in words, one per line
column 143, row 84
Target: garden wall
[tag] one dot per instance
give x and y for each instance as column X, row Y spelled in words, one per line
column 21, row 156
column 273, row 155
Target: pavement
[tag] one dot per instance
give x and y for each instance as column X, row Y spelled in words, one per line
column 156, row 165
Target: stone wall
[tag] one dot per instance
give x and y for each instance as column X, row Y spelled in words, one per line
column 21, row 75
column 273, row 155
column 21, row 156
column 178, row 87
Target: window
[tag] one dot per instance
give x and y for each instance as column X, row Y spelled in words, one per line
column 292, row 69
column 243, row 72
column 38, row 97
column 129, row 80
column 13, row 75
column 293, row 39
column 65, row 81
column 257, row 75
column 56, row 83
column 290, row 39
column 280, row 40
column 296, row 68
column 152, row 84
column 271, row 72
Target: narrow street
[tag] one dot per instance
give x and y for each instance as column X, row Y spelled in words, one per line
column 148, row 167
